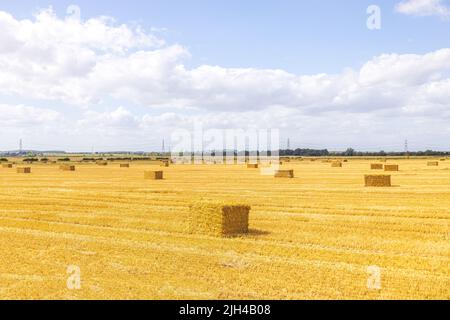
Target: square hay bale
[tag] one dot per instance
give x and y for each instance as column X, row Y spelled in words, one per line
column 102, row 163
column 153, row 175
column 218, row 219
column 165, row 164
column 67, row 167
column 8, row 165
column 376, row 166
column 391, row 167
column 442, row 160
column 284, row 174
column 336, row 164
column 345, row 160
column 377, row 180
column 124, row 165
column 24, row 170
column 433, row 164
column 252, row 166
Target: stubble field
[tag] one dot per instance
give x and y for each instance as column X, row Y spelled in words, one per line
column 311, row 237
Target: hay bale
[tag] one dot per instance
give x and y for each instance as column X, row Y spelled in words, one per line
column 376, row 166
column 252, row 166
column 153, row 175
column 165, row 163
column 442, row 160
column 7, row 165
column 24, row 170
column 284, row 174
column 345, row 160
column 124, row 165
column 102, row 163
column 391, row 167
column 433, row 164
column 218, row 219
column 377, row 180
column 67, row 167
column 336, row 164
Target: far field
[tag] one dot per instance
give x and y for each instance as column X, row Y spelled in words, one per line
column 312, row 237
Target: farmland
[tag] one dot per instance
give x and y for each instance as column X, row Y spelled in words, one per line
column 311, row 237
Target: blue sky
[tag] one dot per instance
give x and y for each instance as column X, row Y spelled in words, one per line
column 310, row 68
column 297, row 36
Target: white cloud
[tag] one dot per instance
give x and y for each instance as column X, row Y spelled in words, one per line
column 424, row 8
column 96, row 62
column 25, row 116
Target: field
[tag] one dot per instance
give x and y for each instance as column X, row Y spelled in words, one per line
column 316, row 236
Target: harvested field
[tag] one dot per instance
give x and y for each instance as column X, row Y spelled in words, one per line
column 309, row 238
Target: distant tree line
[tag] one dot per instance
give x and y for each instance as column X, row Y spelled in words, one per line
column 352, row 153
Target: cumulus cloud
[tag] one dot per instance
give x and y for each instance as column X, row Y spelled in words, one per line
column 25, row 116
column 424, row 8
column 93, row 63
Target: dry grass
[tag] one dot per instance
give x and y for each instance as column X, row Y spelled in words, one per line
column 309, row 238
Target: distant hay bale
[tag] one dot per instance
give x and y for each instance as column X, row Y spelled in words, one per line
column 218, row 219
column 283, row 174
column 345, row 160
column 153, row 175
column 102, row 163
column 433, row 164
column 165, row 163
column 7, row 165
column 377, row 181
column 252, row 166
column 24, row 170
column 336, row 164
column 67, row 167
column 382, row 160
column 376, row 166
column 124, row 165
column 442, row 160
column 391, row 167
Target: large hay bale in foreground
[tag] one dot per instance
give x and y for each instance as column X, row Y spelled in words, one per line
column 391, row 167
column 124, row 165
column 336, row 164
column 284, row 174
column 218, row 219
column 377, row 180
column 24, row 170
column 433, row 164
column 67, row 167
column 376, row 166
column 153, row 175
column 8, row 165
column 252, row 166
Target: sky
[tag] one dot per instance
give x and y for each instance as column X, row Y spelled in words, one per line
column 123, row 75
